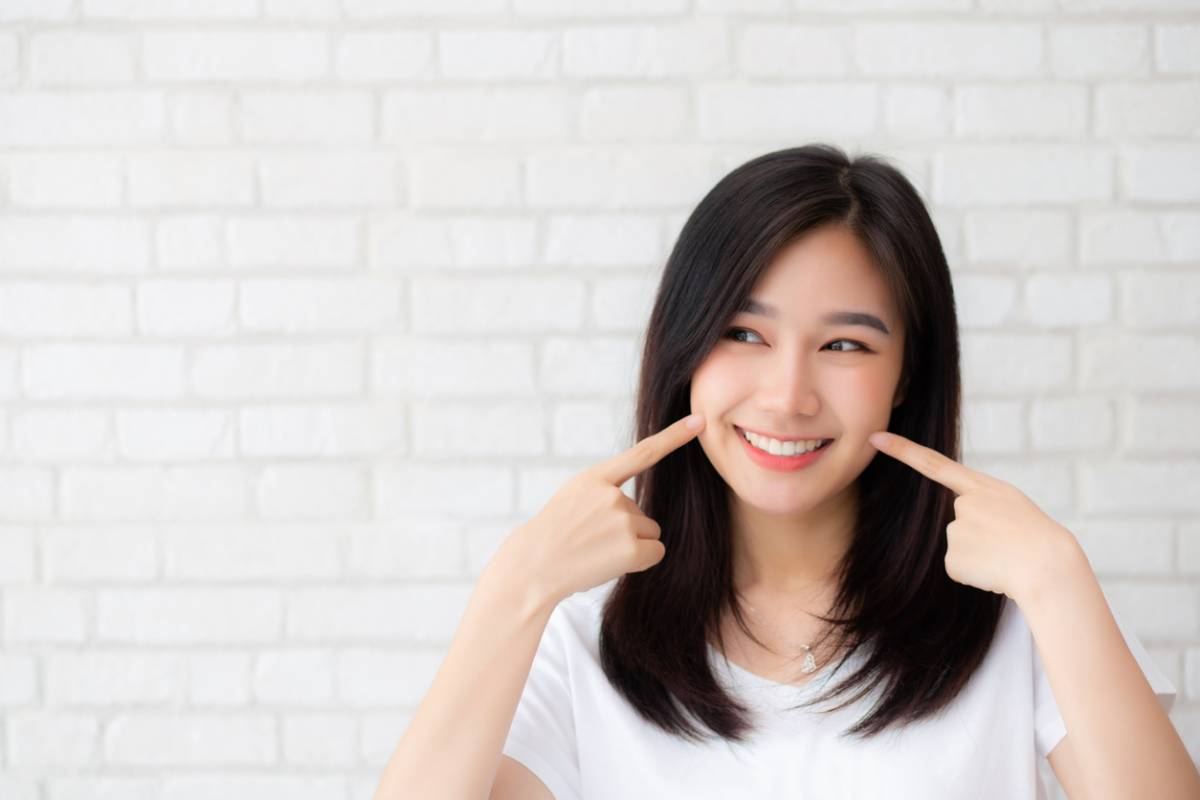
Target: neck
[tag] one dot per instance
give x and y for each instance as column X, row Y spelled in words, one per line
column 791, row 558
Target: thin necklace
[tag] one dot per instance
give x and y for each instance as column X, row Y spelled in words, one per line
column 810, row 663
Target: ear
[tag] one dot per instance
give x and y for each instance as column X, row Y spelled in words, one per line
column 901, row 392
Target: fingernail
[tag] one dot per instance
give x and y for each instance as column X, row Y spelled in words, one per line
column 694, row 421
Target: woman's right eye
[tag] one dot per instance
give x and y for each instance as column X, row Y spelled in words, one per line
column 732, row 333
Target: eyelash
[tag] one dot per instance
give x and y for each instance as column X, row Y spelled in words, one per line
column 865, row 349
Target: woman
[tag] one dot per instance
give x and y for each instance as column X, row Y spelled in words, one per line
column 688, row 639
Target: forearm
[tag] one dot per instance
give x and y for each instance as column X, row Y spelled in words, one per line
column 1123, row 741
column 453, row 744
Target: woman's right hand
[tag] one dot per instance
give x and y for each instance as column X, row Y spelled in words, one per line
column 590, row 532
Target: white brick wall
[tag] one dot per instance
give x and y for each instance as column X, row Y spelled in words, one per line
column 279, row 278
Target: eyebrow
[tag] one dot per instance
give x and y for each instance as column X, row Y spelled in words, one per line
column 752, row 306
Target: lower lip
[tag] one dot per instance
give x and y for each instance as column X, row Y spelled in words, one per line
column 781, row 463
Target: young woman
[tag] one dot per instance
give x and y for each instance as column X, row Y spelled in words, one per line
column 681, row 645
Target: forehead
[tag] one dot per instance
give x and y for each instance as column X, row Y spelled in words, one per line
column 827, row 268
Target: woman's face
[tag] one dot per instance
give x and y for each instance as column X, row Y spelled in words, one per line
column 794, row 374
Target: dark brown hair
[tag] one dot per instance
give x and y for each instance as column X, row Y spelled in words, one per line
column 923, row 633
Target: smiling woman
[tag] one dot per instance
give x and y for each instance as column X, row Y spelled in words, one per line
column 807, row 299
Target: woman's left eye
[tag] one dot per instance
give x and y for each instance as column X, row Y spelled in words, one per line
column 732, row 334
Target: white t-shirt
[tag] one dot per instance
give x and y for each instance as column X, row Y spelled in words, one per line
column 585, row 742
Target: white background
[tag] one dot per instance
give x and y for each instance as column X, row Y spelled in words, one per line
column 305, row 305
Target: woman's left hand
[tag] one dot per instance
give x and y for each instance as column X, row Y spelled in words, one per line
column 999, row 540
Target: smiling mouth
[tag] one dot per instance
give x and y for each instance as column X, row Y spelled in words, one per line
column 824, row 442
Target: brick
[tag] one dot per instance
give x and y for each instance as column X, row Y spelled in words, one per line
column 989, row 175
column 188, row 616
column 1128, row 111
column 622, row 113
column 985, row 301
column 52, row 739
column 99, row 246
column 141, row 494
column 418, row 367
column 308, row 117
column 262, row 371
column 1176, row 47
column 347, row 429
column 292, row 243
column 175, row 434
column 170, row 180
column 202, row 117
column 99, row 553
column 384, row 56
column 186, row 308
column 966, row 50
column 734, row 111
column 405, row 240
column 81, row 119
column 320, row 740
column 793, row 51
column 1161, row 174
column 495, row 430
column 16, row 556
column 1016, row 363
column 72, row 58
column 1138, row 485
column 117, row 370
column 114, row 678
column 190, row 242
column 350, row 614
column 588, row 367
column 294, row 677
column 236, row 56
column 1157, row 300
column 446, row 179
column 1107, row 359
column 498, row 55
column 419, row 546
column 64, row 180
column 312, row 491
column 1069, row 300
column 169, row 9
column 58, row 310
column 250, row 552
column 191, row 739
column 473, row 115
column 1018, row 238
column 495, row 305
column 309, row 306
column 1046, row 111
column 1072, row 424
column 416, row 487
column 602, row 241
column 26, row 493
column 325, row 181
column 1099, row 50
column 42, row 615
column 1139, row 237
column 691, row 49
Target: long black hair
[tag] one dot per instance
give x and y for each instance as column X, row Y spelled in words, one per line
column 924, row 634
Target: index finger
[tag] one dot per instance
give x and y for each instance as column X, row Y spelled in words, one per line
column 649, row 451
column 936, row 466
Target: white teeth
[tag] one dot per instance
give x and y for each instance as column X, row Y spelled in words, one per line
column 778, row 448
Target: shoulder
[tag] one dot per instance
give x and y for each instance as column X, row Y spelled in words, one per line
column 573, row 628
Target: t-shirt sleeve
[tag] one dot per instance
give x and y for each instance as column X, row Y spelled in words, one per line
column 1049, row 727
column 542, row 735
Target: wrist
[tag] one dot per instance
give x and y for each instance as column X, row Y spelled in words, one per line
column 512, row 578
column 1062, row 564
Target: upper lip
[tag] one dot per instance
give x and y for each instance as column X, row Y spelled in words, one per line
column 782, row 438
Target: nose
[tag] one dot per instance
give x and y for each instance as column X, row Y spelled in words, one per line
column 787, row 388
